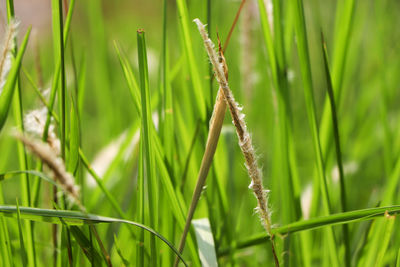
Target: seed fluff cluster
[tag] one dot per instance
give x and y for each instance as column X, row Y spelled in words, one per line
column 55, row 164
column 6, row 52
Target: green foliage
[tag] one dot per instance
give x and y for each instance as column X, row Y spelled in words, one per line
column 128, row 115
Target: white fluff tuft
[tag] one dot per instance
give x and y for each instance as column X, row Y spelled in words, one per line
column 6, row 52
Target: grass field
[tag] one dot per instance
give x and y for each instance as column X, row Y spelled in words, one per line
column 121, row 141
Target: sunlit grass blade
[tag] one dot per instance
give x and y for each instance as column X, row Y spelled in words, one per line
column 74, row 139
column 344, row 21
column 343, row 197
column 305, row 68
column 84, row 243
column 5, row 243
column 384, row 242
column 24, row 257
column 58, row 39
column 57, row 70
column 117, row 247
column 177, row 207
column 129, row 77
column 377, row 229
column 145, row 137
column 193, row 68
column 284, row 151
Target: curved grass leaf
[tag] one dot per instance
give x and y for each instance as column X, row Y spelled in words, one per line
column 76, row 218
column 315, row 223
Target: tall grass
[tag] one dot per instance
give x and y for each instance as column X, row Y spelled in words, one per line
column 133, row 118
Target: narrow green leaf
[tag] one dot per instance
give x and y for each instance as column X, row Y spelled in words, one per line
column 24, row 257
column 193, row 68
column 74, row 139
column 145, row 137
column 90, row 252
column 129, row 77
column 76, row 218
column 9, row 87
column 343, row 198
column 305, row 68
column 125, row 261
column 384, row 242
column 319, row 222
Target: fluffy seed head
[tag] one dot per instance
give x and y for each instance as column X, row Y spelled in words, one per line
column 6, row 52
column 54, row 163
column 245, row 142
column 34, row 123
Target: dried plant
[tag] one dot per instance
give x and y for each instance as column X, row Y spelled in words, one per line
column 55, row 164
column 245, row 142
column 216, row 122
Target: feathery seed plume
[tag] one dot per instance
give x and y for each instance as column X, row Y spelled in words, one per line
column 34, row 123
column 55, row 164
column 245, row 142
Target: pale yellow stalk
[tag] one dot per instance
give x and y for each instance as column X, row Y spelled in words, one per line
column 245, row 142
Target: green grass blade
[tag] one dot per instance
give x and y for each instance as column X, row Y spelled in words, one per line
column 5, row 245
column 9, row 87
column 24, row 257
column 84, row 243
column 145, row 137
column 193, row 64
column 58, row 31
column 343, row 26
column 117, row 247
column 317, row 223
column 335, row 123
column 57, row 70
column 141, row 208
column 129, row 77
column 76, row 218
column 177, row 206
column 6, row 97
column 99, row 182
column 305, row 67
column 74, row 139
column 384, row 242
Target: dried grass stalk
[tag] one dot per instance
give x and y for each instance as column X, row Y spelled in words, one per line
column 55, row 164
column 245, row 142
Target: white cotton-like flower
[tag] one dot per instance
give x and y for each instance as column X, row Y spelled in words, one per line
column 348, row 169
column 306, row 199
column 6, row 52
column 35, row 120
column 34, row 123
